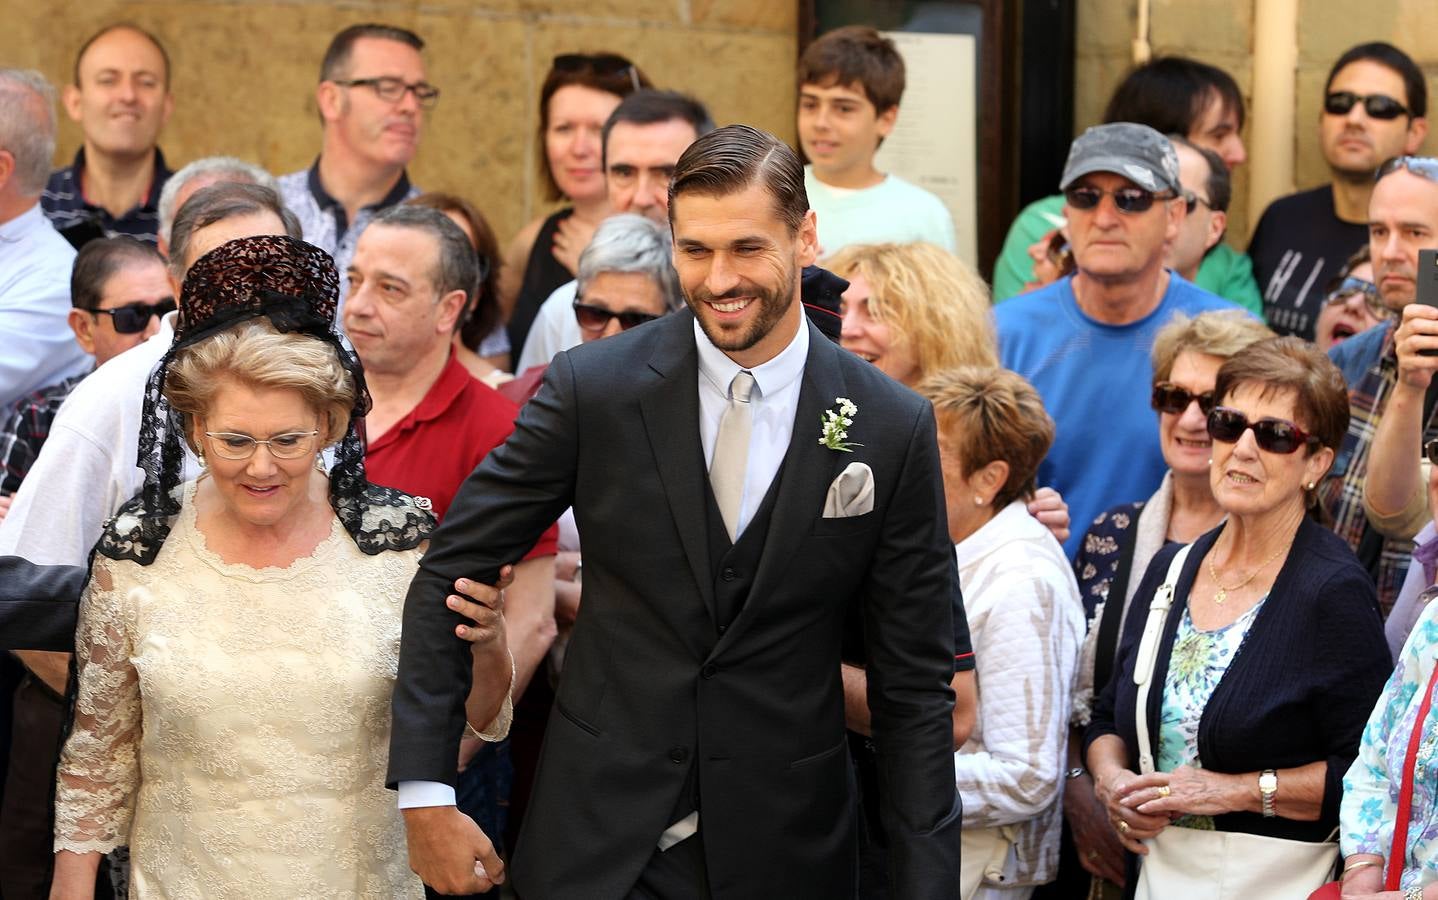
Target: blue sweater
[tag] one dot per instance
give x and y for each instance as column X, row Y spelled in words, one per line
column 1095, row 382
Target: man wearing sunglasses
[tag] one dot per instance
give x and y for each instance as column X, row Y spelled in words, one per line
column 119, row 290
column 1374, row 104
column 1084, row 340
column 372, row 97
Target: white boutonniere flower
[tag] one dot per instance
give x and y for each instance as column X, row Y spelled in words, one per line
column 835, row 423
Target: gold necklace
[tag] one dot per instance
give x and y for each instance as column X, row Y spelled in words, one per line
column 1222, row 593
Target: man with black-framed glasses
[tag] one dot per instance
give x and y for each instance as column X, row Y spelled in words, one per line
column 1084, row 341
column 372, row 96
column 1374, row 103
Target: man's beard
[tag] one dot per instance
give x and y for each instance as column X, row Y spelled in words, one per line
column 773, row 304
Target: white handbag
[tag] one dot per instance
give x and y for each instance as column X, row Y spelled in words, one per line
column 1215, row 865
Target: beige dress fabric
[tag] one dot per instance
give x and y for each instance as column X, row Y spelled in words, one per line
column 233, row 723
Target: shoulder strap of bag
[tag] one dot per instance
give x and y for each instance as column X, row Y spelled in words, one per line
column 1148, row 654
column 1399, row 851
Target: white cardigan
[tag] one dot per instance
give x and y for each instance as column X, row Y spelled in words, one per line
column 1026, row 622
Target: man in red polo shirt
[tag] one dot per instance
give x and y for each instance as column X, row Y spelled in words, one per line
column 412, row 274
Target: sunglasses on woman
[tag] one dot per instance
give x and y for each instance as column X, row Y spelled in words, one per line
column 1171, row 398
column 134, row 318
column 604, row 64
column 596, row 318
column 1132, row 200
column 1274, row 435
column 1378, row 106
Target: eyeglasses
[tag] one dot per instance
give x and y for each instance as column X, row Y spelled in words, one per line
column 1350, row 286
column 596, row 318
column 1431, row 449
column 135, row 317
column 1422, row 166
column 1171, row 398
column 1131, row 200
column 1274, row 435
column 291, row 445
column 1378, row 106
column 392, row 90
column 599, row 64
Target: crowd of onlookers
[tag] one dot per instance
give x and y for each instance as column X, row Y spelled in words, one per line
column 1191, row 488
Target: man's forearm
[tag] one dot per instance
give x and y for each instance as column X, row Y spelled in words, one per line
column 1393, row 472
column 51, row 668
column 856, row 698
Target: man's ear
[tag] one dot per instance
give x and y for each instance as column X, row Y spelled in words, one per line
column 1417, row 131
column 451, row 306
column 329, row 101
column 70, row 99
column 83, row 324
column 1177, row 209
column 808, row 236
column 7, row 168
column 1217, row 225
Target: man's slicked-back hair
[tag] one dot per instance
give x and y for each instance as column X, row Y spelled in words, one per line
column 1386, row 54
column 217, row 202
column 650, row 107
column 99, row 260
column 123, row 26
column 856, row 54
column 337, row 55
column 1171, row 93
column 732, row 158
column 456, row 265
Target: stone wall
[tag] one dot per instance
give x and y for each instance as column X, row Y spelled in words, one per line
column 245, row 72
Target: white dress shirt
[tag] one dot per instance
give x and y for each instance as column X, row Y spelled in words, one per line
column 554, row 329
column 37, row 347
column 773, row 405
column 87, row 467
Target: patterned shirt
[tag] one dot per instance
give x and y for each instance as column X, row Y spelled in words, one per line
column 1371, row 788
column 325, row 223
column 80, row 221
column 1341, row 491
column 23, row 428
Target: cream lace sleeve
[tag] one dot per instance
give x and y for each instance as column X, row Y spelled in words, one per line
column 99, row 767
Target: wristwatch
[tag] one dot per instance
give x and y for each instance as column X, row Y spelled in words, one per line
column 1075, row 772
column 1268, row 789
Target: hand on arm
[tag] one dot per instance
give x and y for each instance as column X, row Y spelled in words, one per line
column 491, row 683
column 1107, row 760
column 1049, row 508
column 1393, row 473
column 1200, row 792
column 449, row 852
column 1099, row 851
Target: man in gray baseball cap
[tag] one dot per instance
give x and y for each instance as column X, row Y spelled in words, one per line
column 1084, row 341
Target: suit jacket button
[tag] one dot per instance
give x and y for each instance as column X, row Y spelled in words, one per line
column 728, row 574
column 679, row 754
column 709, row 671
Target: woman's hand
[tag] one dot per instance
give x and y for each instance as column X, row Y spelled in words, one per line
column 1049, row 508
column 1186, row 791
column 570, row 239
column 1132, row 826
column 485, row 608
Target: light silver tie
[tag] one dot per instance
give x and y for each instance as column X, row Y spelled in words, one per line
column 731, row 452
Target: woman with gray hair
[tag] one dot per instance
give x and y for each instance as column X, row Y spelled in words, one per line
column 625, row 277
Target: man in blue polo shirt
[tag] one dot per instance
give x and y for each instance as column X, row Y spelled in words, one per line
column 1084, row 340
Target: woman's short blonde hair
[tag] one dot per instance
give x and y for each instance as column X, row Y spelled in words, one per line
column 1218, row 332
column 256, row 355
column 987, row 414
column 939, row 307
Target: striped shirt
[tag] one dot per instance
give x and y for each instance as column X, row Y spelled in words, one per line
column 81, row 221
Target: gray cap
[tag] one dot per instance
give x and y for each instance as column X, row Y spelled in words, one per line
column 1136, row 152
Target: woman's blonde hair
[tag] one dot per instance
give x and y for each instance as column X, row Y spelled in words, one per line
column 256, row 355
column 989, row 414
column 1218, row 332
column 933, row 303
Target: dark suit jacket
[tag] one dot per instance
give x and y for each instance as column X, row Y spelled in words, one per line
column 651, row 687
column 38, row 605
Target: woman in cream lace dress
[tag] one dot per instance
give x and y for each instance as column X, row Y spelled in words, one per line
column 239, row 637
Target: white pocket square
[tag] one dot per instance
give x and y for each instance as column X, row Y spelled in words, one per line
column 851, row 494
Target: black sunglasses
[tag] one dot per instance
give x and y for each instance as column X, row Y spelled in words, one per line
column 1378, row 106
column 1171, row 398
column 134, row 318
column 1422, row 166
column 607, row 64
column 596, row 318
column 1274, row 435
column 1128, row 200
column 1431, row 449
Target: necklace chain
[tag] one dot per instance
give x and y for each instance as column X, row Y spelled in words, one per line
column 1222, row 593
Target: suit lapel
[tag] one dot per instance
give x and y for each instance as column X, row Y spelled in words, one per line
column 808, row 469
column 671, row 421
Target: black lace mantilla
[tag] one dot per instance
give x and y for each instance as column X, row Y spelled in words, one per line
column 295, row 286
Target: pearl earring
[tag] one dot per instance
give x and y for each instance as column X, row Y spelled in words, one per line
column 1210, row 460
column 978, row 501
column 1312, row 485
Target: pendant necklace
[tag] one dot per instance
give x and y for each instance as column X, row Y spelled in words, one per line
column 1222, row 593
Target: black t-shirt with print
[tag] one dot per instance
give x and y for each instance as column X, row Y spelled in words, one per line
column 1300, row 244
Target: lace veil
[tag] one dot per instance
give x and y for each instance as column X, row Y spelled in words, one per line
column 295, row 286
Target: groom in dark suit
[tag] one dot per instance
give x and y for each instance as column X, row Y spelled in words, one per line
column 734, row 510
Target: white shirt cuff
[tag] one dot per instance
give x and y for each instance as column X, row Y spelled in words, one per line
column 424, row 793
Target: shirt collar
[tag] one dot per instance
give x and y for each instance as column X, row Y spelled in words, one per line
column 151, row 200
column 322, row 197
column 452, row 381
column 16, row 228
column 770, row 377
column 1010, row 522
